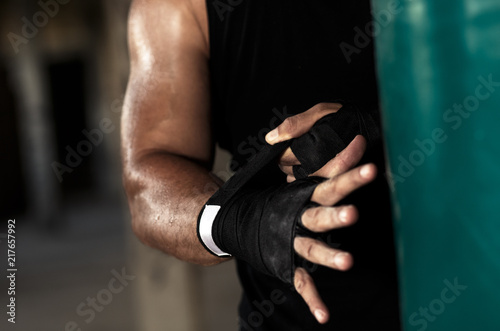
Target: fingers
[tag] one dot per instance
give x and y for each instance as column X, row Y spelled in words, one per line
column 345, row 160
column 288, row 171
column 288, row 158
column 297, row 125
column 335, row 189
column 304, row 285
column 286, row 163
column 342, row 162
column 321, row 219
column 318, row 252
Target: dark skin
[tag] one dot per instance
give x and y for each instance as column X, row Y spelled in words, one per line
column 167, row 146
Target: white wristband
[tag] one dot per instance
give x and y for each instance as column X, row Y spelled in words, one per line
column 205, row 229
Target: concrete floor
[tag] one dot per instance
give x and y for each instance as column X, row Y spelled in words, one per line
column 59, row 271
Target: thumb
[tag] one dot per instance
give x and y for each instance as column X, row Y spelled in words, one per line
column 297, row 125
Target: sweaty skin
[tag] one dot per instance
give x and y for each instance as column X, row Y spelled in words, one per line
column 168, row 149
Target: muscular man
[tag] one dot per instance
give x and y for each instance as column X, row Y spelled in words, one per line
column 227, row 72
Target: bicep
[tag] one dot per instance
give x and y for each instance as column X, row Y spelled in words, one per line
column 167, row 105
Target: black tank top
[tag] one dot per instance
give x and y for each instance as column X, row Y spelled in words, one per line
column 272, row 59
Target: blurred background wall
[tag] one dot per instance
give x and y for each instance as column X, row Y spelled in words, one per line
column 63, row 74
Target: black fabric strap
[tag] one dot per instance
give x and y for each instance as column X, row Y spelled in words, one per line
column 330, row 135
column 259, row 224
column 263, row 235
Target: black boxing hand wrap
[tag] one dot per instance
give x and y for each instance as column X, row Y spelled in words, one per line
column 258, row 225
column 264, row 233
column 235, row 184
column 329, row 136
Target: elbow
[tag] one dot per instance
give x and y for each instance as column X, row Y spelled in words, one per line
column 144, row 229
column 132, row 187
column 138, row 228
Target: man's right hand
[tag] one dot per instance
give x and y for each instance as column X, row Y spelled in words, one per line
column 342, row 180
column 324, row 218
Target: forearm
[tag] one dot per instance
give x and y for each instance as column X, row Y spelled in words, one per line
column 166, row 132
column 166, row 193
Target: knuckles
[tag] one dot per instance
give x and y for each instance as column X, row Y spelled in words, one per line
column 290, row 124
column 302, row 278
column 312, row 218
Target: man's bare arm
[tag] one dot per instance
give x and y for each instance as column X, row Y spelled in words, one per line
column 167, row 147
column 167, row 143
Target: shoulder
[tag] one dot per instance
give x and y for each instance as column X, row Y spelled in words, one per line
column 158, row 24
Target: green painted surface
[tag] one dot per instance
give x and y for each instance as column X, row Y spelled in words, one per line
column 439, row 73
